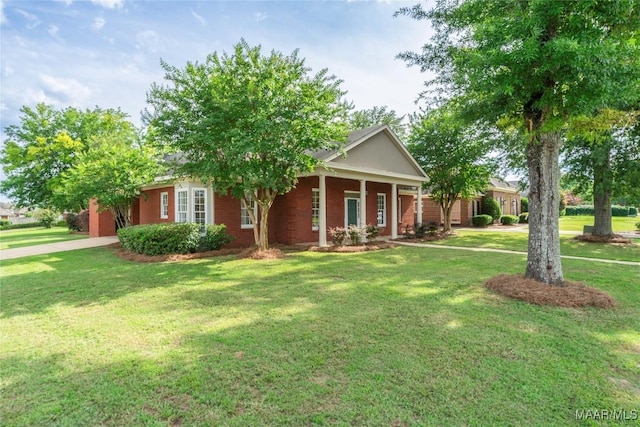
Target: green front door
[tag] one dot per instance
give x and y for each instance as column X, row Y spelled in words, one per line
column 353, row 206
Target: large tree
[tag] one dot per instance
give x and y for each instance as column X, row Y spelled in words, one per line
column 113, row 171
column 361, row 119
column 248, row 123
column 455, row 155
column 543, row 61
column 47, row 143
column 601, row 155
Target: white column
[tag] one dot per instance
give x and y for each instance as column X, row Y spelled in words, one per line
column 394, row 211
column 322, row 220
column 363, row 206
column 419, row 205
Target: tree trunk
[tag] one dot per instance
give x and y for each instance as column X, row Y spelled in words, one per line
column 447, row 209
column 543, row 260
column 602, row 188
column 263, row 243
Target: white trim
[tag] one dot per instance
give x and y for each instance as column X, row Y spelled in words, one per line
column 419, row 206
column 193, row 205
column 315, row 227
column 177, row 203
column 322, row 238
column 255, row 214
column 384, row 210
column 164, row 205
column 339, row 170
column 394, row 211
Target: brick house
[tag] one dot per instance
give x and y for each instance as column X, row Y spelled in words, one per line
column 507, row 195
column 373, row 180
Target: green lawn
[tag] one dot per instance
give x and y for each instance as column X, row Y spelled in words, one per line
column 619, row 224
column 516, row 241
column 36, row 236
column 406, row 336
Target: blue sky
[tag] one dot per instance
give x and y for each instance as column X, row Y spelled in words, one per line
column 107, row 52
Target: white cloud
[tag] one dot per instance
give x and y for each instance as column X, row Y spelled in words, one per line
column 66, row 2
column 200, row 19
column 71, row 90
column 98, row 23
column 7, row 71
column 109, row 4
column 261, row 16
column 149, row 40
column 3, row 19
column 32, row 20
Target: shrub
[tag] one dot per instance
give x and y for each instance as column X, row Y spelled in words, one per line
column 524, row 204
column 481, row 220
column 619, row 210
column 509, row 219
column 355, row 234
column 73, row 222
column 46, row 217
column 215, row 237
column 372, row 231
column 491, row 207
column 432, row 228
column 616, row 210
column 419, row 230
column 338, row 235
column 23, row 225
column 523, row 218
column 161, row 239
column 638, row 226
column 633, row 211
column 4, row 222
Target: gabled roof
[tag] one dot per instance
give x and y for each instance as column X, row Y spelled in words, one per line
column 384, row 152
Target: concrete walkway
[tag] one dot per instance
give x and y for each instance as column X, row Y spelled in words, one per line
column 505, row 251
column 49, row 248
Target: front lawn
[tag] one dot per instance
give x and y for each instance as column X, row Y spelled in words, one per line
column 619, row 224
column 515, row 241
column 22, row 237
column 406, row 336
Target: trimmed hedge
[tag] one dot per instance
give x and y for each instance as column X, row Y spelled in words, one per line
column 4, row 222
column 161, row 239
column 490, row 206
column 523, row 218
column 509, row 219
column 23, row 225
column 215, row 237
column 616, row 210
column 481, row 220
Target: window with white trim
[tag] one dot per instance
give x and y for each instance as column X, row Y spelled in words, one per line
column 245, row 219
column 382, row 210
column 315, row 209
column 200, row 207
column 182, row 197
column 164, row 205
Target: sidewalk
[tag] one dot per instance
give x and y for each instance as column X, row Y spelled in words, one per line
column 49, row 248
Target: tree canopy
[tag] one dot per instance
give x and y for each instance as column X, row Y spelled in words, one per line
column 454, row 154
column 45, row 144
column 248, row 123
column 361, row 119
column 542, row 62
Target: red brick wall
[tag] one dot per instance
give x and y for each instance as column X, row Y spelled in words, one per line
column 431, row 211
column 407, row 213
column 149, row 211
column 100, row 224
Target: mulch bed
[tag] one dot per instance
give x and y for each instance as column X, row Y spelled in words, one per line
column 440, row 235
column 572, row 294
column 132, row 256
column 614, row 239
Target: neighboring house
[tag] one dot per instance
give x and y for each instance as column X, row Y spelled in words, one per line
column 372, row 180
column 13, row 214
column 507, row 195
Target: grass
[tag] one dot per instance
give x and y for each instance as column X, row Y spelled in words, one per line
column 407, row 336
column 619, row 224
column 19, row 238
column 516, row 241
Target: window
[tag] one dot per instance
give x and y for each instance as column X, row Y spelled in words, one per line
column 164, row 205
column 315, row 209
column 382, row 209
column 182, row 206
column 245, row 219
column 199, row 207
